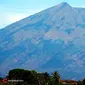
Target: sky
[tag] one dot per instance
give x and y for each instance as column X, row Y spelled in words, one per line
column 15, row 10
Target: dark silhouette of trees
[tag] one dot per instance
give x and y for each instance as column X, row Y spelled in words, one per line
column 83, row 81
column 47, row 79
column 34, row 78
column 55, row 78
column 79, row 83
column 21, row 74
column 16, row 74
column 1, row 78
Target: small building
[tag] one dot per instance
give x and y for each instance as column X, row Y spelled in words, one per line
column 65, row 82
column 5, row 80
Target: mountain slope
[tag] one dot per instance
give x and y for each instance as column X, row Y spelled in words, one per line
column 53, row 39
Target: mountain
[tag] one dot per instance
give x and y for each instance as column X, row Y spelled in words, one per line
column 51, row 40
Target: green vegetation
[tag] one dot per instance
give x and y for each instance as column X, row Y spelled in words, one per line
column 35, row 78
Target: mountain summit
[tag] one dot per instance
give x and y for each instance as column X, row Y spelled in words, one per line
column 53, row 39
column 63, row 4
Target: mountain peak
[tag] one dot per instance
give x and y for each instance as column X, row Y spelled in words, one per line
column 64, row 4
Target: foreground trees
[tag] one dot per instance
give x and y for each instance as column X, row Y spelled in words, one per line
column 55, row 78
column 21, row 74
column 83, row 81
column 1, row 78
column 32, row 77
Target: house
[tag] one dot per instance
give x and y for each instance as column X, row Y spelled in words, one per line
column 65, row 82
column 4, row 80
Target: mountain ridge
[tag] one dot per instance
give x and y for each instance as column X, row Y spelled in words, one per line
column 53, row 39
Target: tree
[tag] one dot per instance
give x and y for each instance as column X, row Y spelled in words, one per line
column 25, row 75
column 47, row 78
column 1, row 78
column 79, row 83
column 55, row 78
column 83, row 81
column 35, row 76
column 16, row 74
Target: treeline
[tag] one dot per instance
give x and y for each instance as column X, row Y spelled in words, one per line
column 34, row 78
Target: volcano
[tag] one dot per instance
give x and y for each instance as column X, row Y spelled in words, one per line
column 51, row 40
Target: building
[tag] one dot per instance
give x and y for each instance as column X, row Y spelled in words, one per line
column 4, row 80
column 65, row 82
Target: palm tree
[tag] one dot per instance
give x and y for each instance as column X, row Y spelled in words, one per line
column 55, row 78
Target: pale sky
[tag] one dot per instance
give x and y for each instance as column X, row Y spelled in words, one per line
column 14, row 10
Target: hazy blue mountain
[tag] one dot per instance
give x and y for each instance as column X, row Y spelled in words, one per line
column 51, row 40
